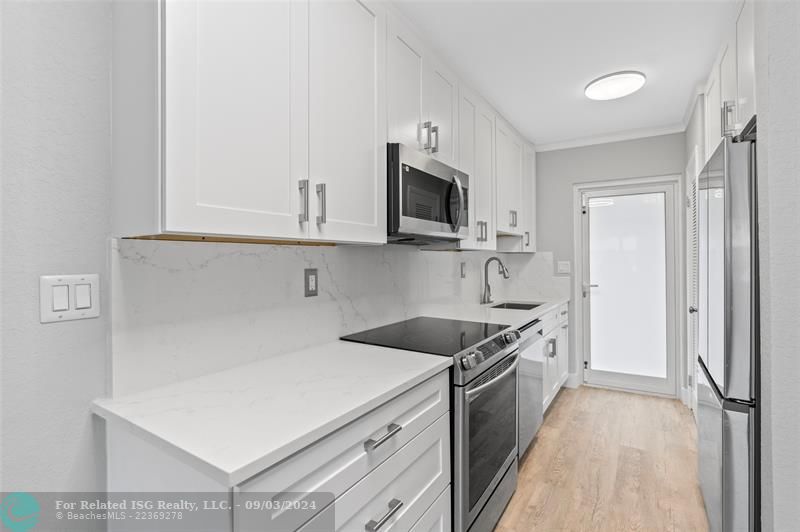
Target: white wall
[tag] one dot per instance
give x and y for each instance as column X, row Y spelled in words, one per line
column 187, row 309
column 778, row 84
column 55, row 219
column 557, row 171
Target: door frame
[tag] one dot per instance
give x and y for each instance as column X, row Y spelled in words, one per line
column 676, row 341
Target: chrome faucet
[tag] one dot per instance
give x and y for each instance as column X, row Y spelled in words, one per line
column 487, row 289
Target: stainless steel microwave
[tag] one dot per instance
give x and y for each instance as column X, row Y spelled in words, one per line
column 428, row 200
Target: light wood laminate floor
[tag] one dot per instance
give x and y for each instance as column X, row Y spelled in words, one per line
column 609, row 461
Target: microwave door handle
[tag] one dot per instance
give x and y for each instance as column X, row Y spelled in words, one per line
column 477, row 390
column 457, row 224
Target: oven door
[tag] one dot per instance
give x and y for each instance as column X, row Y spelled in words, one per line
column 485, row 440
column 426, row 197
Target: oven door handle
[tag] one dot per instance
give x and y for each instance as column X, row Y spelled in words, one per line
column 484, row 386
column 457, row 224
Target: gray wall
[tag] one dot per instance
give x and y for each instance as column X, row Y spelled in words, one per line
column 557, row 171
column 55, row 219
column 778, row 76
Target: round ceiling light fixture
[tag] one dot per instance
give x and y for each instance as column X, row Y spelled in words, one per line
column 616, row 85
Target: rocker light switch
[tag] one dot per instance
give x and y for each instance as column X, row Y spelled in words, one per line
column 68, row 297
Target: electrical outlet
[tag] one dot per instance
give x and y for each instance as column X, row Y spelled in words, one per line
column 311, row 283
column 563, row 266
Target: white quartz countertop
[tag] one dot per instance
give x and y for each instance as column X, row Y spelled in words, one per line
column 239, row 422
column 485, row 313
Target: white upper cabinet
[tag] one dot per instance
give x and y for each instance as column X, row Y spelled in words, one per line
column 529, row 200
column 423, row 103
column 727, row 87
column 476, row 158
column 347, row 136
column 508, row 153
column 271, row 116
column 746, row 64
column 713, row 112
column 441, row 100
column 235, row 118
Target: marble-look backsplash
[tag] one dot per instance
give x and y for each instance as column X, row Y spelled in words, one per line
column 184, row 309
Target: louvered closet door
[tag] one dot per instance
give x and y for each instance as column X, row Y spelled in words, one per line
column 692, row 268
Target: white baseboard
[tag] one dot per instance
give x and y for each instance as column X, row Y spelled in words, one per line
column 573, row 380
column 685, row 394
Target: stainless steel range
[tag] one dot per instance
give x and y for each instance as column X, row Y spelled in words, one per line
column 484, row 398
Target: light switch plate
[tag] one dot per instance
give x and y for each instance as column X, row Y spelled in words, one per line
column 52, row 292
column 311, row 282
column 563, row 266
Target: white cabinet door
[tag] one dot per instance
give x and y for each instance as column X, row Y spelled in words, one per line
column 563, row 353
column 551, row 383
column 405, row 75
column 727, row 87
column 509, row 178
column 467, row 114
column 485, row 174
column 745, row 64
column 235, row 118
column 476, row 158
column 440, row 98
column 347, row 132
column 529, row 201
column 713, row 110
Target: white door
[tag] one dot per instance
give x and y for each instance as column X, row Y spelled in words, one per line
column 347, row 133
column 235, row 121
column 404, row 88
column 509, row 178
column 692, row 275
column 629, row 295
column 440, row 98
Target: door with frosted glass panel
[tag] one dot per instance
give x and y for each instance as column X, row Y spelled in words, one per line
column 629, row 287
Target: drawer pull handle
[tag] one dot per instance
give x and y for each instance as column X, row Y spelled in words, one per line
column 372, row 525
column 371, row 445
column 563, row 312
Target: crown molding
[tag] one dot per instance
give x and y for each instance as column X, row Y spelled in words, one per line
column 632, row 134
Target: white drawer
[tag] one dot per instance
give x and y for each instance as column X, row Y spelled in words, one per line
column 338, row 461
column 414, row 476
column 438, row 517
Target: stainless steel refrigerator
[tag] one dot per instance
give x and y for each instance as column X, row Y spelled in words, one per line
column 728, row 351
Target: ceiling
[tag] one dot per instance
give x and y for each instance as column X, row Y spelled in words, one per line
column 532, row 59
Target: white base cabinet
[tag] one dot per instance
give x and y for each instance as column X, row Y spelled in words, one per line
column 407, row 474
column 555, row 327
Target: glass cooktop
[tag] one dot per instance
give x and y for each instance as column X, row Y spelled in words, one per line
column 436, row 336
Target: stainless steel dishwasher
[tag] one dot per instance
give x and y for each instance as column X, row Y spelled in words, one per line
column 531, row 383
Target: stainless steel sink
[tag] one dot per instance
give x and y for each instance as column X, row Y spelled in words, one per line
column 517, row 306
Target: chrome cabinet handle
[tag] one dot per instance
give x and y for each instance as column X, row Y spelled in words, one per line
column 427, row 127
column 728, row 127
column 457, row 224
column 551, row 348
column 322, row 192
column 527, row 238
column 372, row 525
column 302, row 185
column 513, row 218
column 435, row 130
column 485, row 231
column 506, row 372
column 391, row 430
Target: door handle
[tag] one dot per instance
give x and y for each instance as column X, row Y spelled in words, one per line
column 457, row 223
column 322, row 192
column 427, row 127
column 586, row 288
column 303, row 186
column 391, row 430
column 692, row 310
column 435, row 131
column 394, row 506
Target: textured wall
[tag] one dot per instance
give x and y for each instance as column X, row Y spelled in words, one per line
column 186, row 309
column 778, row 84
column 55, row 219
